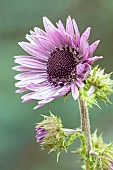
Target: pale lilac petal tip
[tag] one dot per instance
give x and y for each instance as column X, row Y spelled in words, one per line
column 77, row 33
column 93, row 59
column 24, row 89
column 32, row 32
column 75, row 92
column 86, row 34
column 60, row 26
column 93, row 47
column 69, row 27
column 47, row 24
column 43, row 102
column 40, row 32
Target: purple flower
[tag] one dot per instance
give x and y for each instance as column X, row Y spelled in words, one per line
column 40, row 133
column 58, row 63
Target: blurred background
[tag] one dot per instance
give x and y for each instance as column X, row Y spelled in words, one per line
column 18, row 147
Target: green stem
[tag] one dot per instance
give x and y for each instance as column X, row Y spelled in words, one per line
column 71, row 131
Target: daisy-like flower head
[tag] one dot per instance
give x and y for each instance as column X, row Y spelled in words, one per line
column 58, row 63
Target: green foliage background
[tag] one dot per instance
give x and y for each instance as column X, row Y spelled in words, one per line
column 18, row 149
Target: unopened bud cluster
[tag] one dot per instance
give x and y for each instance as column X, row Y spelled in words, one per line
column 97, row 86
column 52, row 135
column 104, row 159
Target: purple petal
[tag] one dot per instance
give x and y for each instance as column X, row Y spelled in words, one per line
column 31, row 63
column 29, row 75
column 33, row 50
column 75, row 92
column 39, row 139
column 84, row 47
column 83, row 44
column 43, row 93
column 24, row 89
column 41, row 133
column 86, row 51
column 60, row 26
column 86, row 72
column 80, row 68
column 27, row 97
column 41, row 42
column 43, row 102
column 24, row 83
column 53, row 33
column 56, row 38
column 77, row 34
column 25, row 69
column 38, row 59
column 86, row 34
column 32, row 40
column 46, row 44
column 49, row 93
column 47, row 24
column 62, row 91
column 32, row 32
column 40, row 32
column 36, row 87
column 67, row 39
column 21, row 68
column 83, row 70
column 93, row 47
column 93, row 59
column 69, row 27
column 79, row 83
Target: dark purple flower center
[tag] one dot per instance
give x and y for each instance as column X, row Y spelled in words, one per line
column 61, row 66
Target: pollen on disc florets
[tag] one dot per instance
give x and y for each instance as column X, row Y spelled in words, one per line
column 61, row 66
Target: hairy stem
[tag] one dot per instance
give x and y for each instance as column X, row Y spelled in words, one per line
column 85, row 126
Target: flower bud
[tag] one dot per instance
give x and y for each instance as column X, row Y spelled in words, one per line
column 50, row 135
column 97, row 86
